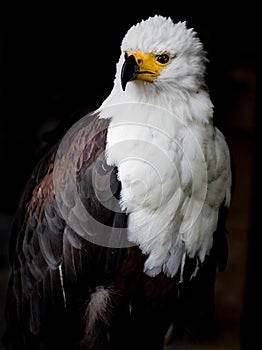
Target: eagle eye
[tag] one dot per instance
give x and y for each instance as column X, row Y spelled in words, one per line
column 163, row 58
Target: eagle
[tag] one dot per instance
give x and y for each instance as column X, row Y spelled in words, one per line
column 122, row 226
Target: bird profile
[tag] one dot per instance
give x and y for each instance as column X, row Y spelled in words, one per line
column 123, row 223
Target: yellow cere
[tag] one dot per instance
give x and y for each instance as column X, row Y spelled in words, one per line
column 149, row 64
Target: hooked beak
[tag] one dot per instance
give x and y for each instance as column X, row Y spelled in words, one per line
column 129, row 70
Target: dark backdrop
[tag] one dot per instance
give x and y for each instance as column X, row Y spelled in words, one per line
column 57, row 62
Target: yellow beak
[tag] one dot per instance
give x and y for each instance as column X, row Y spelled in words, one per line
column 147, row 67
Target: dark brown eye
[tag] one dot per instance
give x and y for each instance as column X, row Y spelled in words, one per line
column 164, row 58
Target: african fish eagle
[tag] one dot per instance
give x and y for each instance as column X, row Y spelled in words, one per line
column 121, row 227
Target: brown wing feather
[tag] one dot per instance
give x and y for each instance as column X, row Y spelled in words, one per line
column 54, row 270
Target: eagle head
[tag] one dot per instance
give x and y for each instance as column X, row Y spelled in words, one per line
column 159, row 51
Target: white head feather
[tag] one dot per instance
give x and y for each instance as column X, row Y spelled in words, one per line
column 159, row 34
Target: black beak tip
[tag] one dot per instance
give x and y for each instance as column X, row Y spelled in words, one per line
column 128, row 71
column 123, row 84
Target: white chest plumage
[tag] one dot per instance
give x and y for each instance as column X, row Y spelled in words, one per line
column 169, row 172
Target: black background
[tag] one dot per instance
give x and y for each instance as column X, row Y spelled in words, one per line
column 57, row 61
